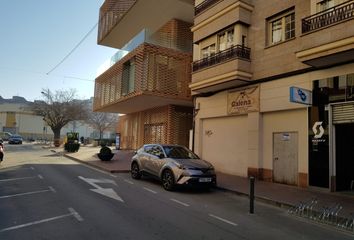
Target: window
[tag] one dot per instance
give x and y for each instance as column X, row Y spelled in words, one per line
column 128, row 77
column 208, row 51
column 226, row 39
column 154, row 150
column 282, row 28
column 324, row 5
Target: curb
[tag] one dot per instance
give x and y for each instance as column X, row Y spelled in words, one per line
column 95, row 166
column 259, row 198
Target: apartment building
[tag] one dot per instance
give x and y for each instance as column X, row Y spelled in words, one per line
column 148, row 80
column 273, row 87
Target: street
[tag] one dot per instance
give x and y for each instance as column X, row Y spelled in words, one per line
column 44, row 195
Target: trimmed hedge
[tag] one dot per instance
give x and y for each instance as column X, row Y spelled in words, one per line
column 106, row 141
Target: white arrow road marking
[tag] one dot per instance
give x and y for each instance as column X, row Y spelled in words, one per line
column 72, row 213
column 108, row 192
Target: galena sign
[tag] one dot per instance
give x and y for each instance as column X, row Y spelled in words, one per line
column 243, row 101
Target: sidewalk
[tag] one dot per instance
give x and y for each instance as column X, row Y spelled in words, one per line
column 277, row 194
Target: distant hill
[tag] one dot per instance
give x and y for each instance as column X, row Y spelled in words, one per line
column 14, row 99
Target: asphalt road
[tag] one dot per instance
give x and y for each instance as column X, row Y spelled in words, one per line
column 43, row 195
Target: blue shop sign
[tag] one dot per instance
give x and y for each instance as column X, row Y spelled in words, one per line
column 300, row 95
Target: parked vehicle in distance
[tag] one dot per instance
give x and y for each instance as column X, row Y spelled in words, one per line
column 5, row 135
column 15, row 139
column 172, row 165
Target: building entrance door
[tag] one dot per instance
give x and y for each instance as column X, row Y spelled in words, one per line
column 285, row 158
column 344, row 138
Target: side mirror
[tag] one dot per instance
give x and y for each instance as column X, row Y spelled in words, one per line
column 161, row 156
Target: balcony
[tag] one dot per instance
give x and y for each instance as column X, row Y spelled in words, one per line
column 237, row 51
column 328, row 37
column 160, row 77
column 110, row 14
column 119, row 23
column 228, row 68
column 204, row 5
column 216, row 15
column 334, row 15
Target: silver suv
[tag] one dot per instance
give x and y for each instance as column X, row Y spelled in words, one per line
column 173, row 165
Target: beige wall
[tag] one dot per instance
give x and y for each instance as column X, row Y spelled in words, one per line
column 2, row 120
column 27, row 124
column 224, row 142
column 281, row 58
column 218, row 137
column 235, row 143
column 285, row 121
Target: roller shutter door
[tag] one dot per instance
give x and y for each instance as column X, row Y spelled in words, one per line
column 343, row 113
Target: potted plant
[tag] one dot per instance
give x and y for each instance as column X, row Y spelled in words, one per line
column 105, row 154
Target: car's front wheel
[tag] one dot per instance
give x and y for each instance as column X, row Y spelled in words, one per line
column 135, row 171
column 168, row 180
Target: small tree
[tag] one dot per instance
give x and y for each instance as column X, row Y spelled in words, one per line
column 102, row 121
column 59, row 108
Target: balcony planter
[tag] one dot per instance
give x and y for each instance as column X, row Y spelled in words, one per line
column 105, row 154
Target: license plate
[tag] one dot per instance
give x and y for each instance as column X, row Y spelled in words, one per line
column 204, row 179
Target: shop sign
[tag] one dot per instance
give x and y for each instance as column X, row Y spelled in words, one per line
column 300, row 95
column 244, row 101
column 117, row 141
column 318, row 132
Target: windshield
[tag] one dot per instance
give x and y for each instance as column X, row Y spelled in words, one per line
column 179, row 152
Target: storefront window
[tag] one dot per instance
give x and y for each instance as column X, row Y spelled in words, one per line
column 338, row 89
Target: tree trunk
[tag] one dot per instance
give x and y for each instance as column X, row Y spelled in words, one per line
column 100, row 141
column 56, row 132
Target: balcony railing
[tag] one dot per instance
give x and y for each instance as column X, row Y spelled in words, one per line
column 204, row 5
column 328, row 17
column 234, row 52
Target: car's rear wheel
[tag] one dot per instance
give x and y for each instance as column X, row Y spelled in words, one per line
column 168, row 180
column 135, row 171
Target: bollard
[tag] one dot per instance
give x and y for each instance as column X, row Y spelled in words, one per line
column 251, row 195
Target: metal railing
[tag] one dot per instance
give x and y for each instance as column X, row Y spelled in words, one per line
column 237, row 51
column 328, row 17
column 204, row 5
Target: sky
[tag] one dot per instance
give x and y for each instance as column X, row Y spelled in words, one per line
column 36, row 35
